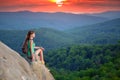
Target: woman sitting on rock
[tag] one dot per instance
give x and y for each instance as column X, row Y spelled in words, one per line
column 32, row 50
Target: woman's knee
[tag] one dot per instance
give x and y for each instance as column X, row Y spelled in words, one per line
column 40, row 50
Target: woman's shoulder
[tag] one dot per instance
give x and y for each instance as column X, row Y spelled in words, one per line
column 30, row 40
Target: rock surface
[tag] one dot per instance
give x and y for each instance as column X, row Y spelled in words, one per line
column 41, row 71
column 14, row 67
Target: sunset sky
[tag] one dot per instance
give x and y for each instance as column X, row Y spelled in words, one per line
column 71, row 6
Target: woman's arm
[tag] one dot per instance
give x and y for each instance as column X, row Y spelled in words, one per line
column 37, row 47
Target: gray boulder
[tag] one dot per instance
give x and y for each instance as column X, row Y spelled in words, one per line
column 15, row 67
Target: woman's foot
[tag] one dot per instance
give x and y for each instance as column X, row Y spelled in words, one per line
column 33, row 62
column 43, row 62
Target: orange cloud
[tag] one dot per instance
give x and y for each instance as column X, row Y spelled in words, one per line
column 74, row 6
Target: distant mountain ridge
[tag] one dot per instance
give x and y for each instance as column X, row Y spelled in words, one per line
column 108, row 14
column 101, row 33
column 61, row 21
column 106, row 32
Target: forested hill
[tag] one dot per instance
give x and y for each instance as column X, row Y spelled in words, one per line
column 80, row 62
column 100, row 33
column 77, row 52
column 45, row 37
column 27, row 20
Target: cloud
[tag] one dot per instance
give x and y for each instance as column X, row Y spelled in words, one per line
column 15, row 5
column 68, row 6
column 93, row 3
column 24, row 3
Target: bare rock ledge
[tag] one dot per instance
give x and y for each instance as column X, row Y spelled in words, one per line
column 15, row 67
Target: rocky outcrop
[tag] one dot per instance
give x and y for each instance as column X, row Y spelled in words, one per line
column 41, row 71
column 14, row 67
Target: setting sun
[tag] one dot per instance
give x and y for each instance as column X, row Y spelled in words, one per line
column 58, row 2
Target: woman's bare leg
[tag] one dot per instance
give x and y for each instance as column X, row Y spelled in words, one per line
column 41, row 56
column 36, row 56
column 33, row 57
column 39, row 51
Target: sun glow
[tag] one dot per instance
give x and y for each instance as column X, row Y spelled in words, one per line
column 58, row 2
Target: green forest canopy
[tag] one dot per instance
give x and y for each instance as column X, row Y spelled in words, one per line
column 85, row 62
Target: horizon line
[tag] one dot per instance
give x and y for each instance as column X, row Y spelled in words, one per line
column 60, row 12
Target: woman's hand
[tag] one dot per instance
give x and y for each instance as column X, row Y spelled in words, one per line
column 39, row 48
column 42, row 48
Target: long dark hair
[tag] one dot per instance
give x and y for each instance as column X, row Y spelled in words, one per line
column 27, row 37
